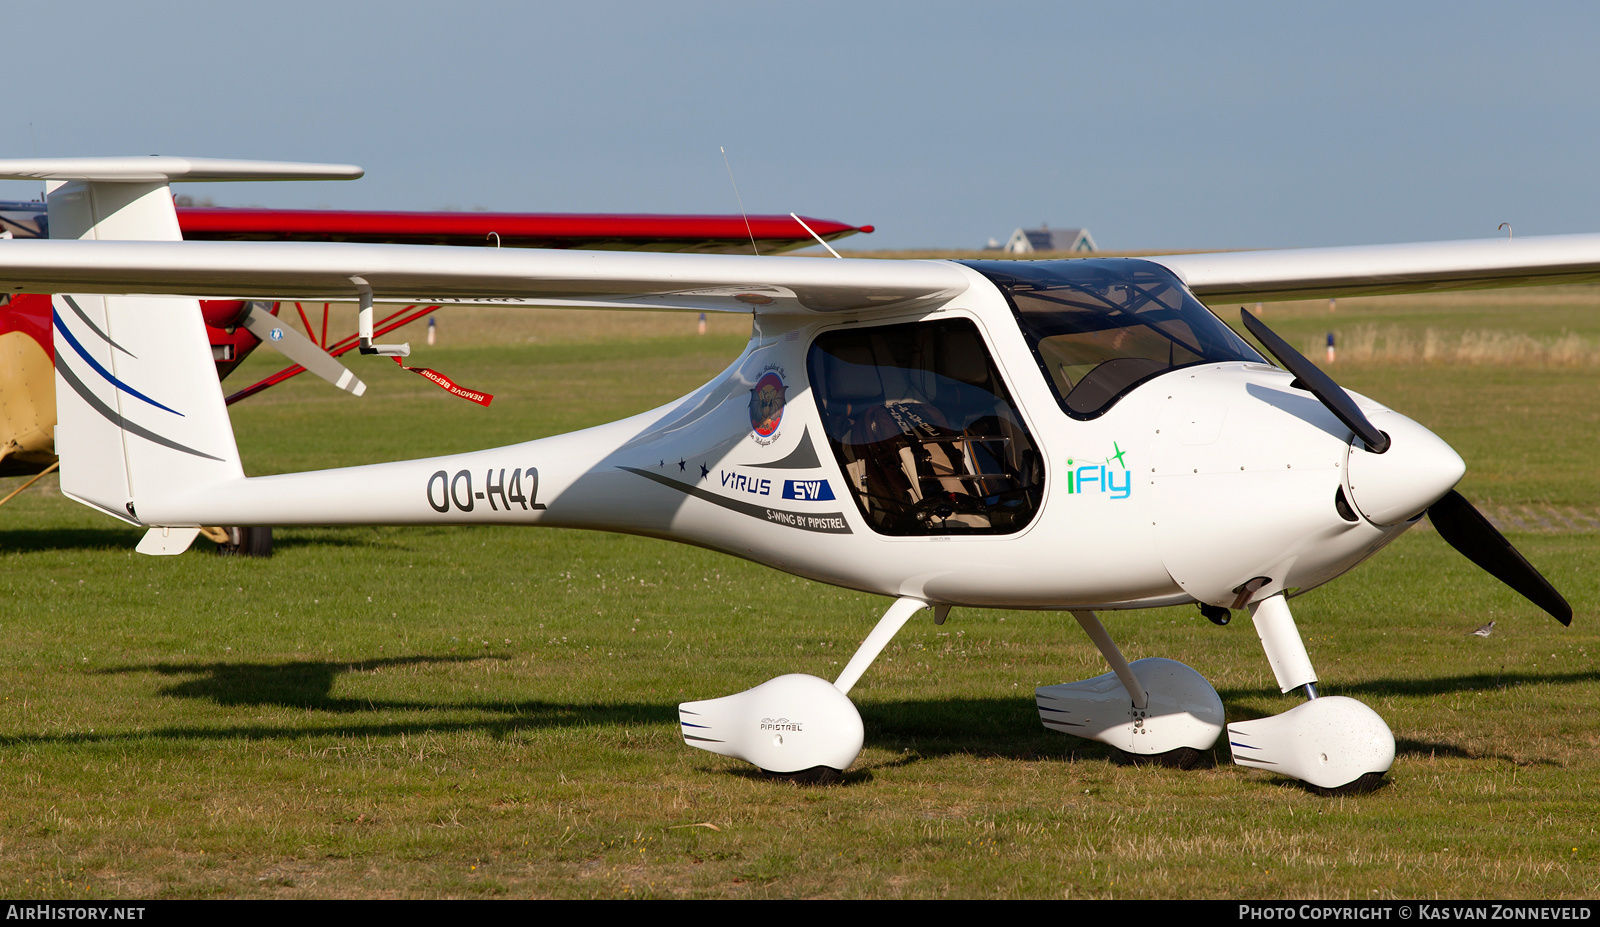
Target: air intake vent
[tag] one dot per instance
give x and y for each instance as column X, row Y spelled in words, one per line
column 1343, row 506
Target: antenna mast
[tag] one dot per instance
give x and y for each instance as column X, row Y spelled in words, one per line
column 740, row 199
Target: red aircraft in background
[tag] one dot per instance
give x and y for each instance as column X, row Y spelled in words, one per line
column 27, row 348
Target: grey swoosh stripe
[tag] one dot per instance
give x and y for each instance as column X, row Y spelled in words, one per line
column 117, row 420
column 803, row 457
column 73, row 304
column 745, row 508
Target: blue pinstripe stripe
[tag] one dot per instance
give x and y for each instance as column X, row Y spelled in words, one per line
column 62, row 328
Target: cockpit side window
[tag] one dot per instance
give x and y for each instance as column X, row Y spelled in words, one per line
column 1098, row 328
column 925, row 430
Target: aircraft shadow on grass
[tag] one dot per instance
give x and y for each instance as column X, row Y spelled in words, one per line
column 1429, row 687
column 28, row 540
column 308, row 684
column 1000, row 727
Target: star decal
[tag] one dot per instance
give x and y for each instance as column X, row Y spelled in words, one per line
column 682, row 464
column 704, row 471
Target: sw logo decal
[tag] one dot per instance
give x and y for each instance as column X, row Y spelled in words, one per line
column 808, row 490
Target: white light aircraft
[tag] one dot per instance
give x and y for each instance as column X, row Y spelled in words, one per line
column 1067, row 435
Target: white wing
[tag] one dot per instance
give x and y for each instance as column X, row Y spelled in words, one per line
column 1369, row 270
column 130, row 200
column 438, row 274
column 696, row 282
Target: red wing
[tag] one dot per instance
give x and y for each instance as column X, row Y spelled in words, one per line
column 575, row 231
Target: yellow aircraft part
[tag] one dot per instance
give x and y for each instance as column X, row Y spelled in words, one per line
column 27, row 405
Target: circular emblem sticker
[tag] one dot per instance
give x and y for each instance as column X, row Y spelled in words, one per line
column 766, row 403
column 277, row 334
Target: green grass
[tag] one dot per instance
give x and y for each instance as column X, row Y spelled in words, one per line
column 491, row 712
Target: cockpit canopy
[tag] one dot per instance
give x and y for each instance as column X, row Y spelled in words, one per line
column 1100, row 327
column 925, row 430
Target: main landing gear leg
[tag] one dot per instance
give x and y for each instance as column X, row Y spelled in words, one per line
column 795, row 725
column 1332, row 743
column 1153, row 710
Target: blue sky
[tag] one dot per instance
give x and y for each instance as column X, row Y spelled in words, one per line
column 1159, row 125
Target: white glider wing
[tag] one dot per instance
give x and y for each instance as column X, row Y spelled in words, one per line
column 733, row 283
column 1371, row 270
column 439, row 274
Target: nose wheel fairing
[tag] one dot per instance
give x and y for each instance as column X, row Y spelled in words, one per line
column 1330, row 742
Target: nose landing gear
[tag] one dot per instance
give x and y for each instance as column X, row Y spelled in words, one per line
column 1161, row 711
column 1334, row 744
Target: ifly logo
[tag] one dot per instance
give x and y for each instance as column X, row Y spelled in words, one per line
column 808, row 490
column 1112, row 477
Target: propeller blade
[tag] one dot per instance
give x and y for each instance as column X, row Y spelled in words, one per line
column 298, row 348
column 1320, row 384
column 1464, row 528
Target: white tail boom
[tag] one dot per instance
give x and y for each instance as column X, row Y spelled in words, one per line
column 144, row 433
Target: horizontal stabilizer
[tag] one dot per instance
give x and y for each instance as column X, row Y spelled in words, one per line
column 157, row 169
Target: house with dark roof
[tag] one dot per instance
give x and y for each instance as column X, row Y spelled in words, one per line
column 1045, row 238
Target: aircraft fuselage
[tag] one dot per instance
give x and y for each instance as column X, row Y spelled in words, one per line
column 940, row 455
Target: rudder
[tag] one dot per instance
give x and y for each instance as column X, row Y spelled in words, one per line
column 140, row 411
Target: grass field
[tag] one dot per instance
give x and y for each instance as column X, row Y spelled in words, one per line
column 491, row 712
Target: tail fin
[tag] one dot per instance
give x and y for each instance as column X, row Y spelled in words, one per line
column 140, row 411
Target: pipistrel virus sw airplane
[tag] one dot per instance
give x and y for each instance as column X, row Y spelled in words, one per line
column 944, row 434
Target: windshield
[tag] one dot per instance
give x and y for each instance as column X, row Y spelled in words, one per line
column 1100, row 327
